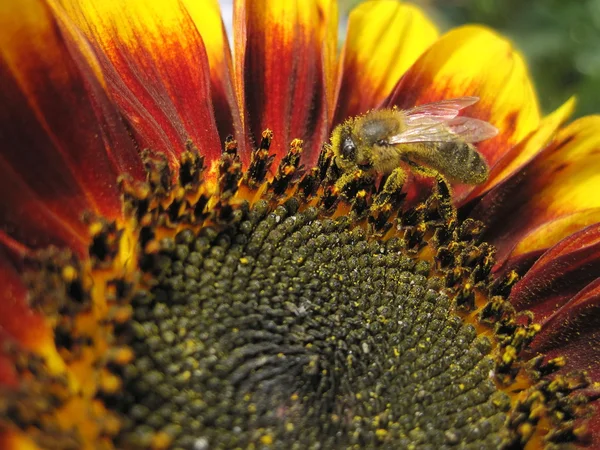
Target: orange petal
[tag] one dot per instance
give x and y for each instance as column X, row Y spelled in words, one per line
column 384, row 39
column 475, row 61
column 328, row 35
column 280, row 71
column 63, row 146
column 526, row 150
column 156, row 68
column 11, row 440
column 554, row 194
column 206, row 15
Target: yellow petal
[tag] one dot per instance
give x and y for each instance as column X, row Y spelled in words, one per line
column 206, row 15
column 384, row 39
column 156, row 68
column 328, row 35
column 569, row 172
column 551, row 197
column 526, row 150
column 473, row 60
column 550, row 233
column 538, row 140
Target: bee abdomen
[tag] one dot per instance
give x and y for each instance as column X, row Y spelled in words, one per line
column 461, row 162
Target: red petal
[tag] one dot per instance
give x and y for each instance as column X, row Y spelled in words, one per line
column 17, row 321
column 280, row 72
column 156, row 68
column 559, row 274
column 8, row 377
column 63, row 146
column 573, row 331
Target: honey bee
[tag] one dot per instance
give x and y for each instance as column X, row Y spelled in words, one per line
column 431, row 139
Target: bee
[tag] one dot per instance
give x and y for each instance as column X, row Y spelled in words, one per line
column 430, row 139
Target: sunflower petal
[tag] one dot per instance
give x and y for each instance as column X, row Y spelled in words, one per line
column 156, row 68
column 11, row 440
column 62, row 144
column 384, row 39
column 38, row 219
column 206, row 15
column 280, row 71
column 328, row 34
column 548, row 234
column 574, row 331
column 559, row 274
column 21, row 326
column 551, row 195
column 475, row 61
column 526, row 150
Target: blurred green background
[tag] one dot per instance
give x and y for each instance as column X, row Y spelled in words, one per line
column 560, row 40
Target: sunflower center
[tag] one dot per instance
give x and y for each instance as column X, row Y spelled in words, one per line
column 325, row 315
column 289, row 329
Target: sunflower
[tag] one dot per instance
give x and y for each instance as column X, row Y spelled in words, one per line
column 181, row 267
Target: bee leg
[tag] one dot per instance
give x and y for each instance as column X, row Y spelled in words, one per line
column 394, row 181
column 387, row 203
column 350, row 183
column 445, row 206
column 443, row 195
column 392, row 188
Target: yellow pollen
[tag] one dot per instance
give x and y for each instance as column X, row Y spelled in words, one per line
column 381, row 434
column 161, row 440
column 267, row 439
column 69, row 274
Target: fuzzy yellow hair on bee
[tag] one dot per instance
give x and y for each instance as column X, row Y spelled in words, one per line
column 431, row 139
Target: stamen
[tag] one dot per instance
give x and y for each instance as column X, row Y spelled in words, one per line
column 233, row 309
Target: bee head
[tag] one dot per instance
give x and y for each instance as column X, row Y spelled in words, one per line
column 344, row 145
column 348, row 147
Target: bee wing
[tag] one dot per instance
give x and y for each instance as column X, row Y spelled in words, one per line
column 432, row 113
column 471, row 130
column 439, row 121
column 437, row 132
column 465, row 129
